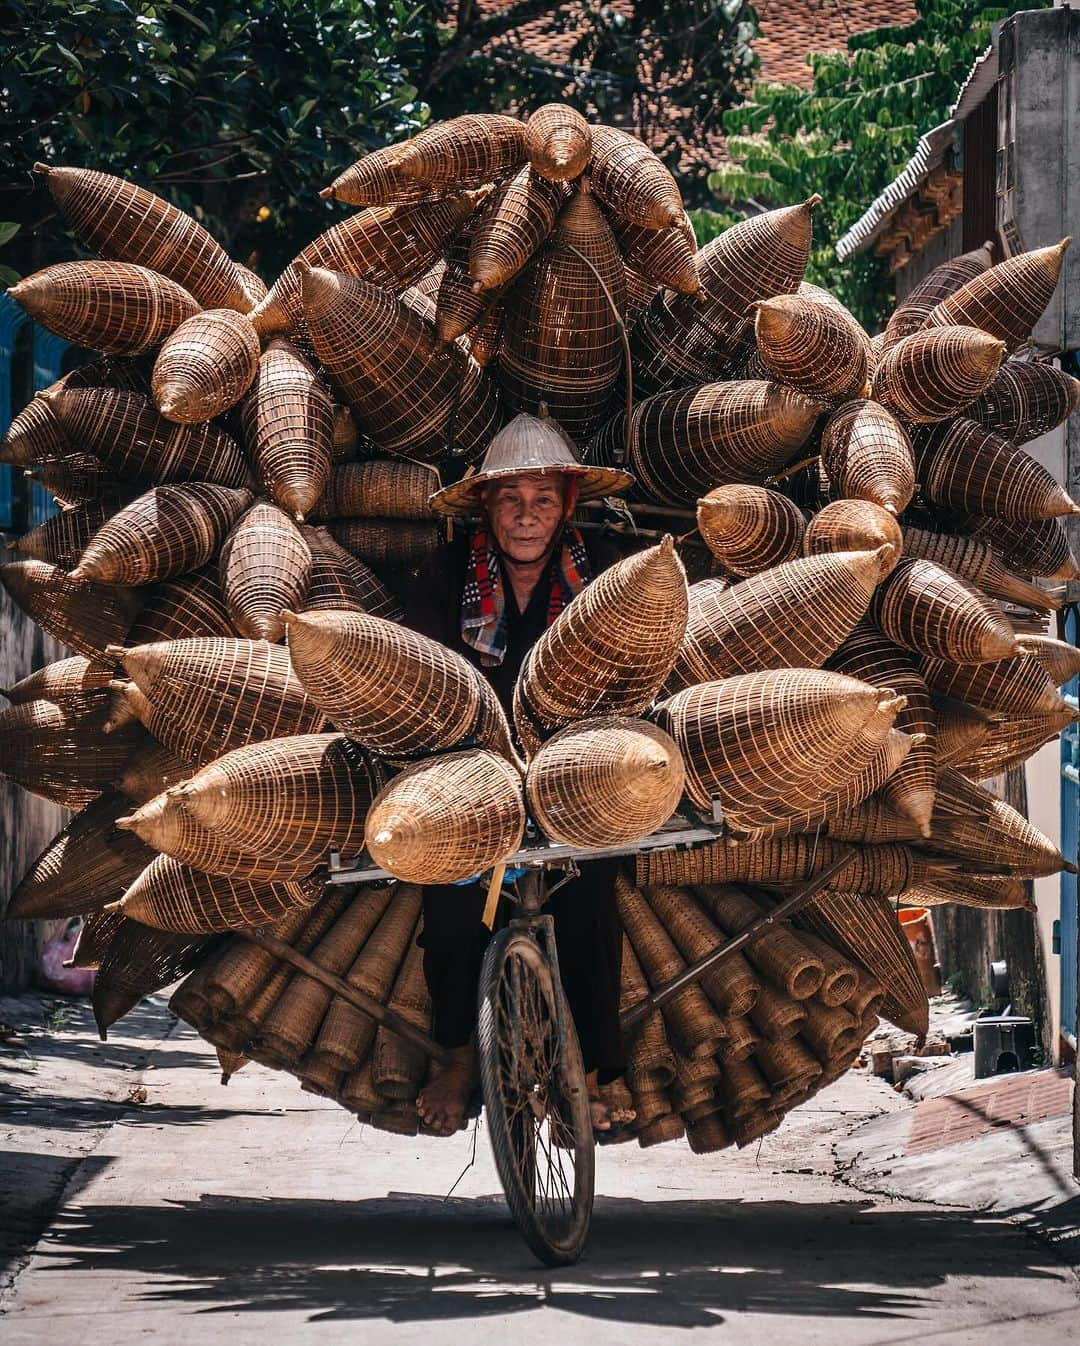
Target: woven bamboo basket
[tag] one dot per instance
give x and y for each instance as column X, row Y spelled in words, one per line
column 513, row 223
column 376, row 180
column 387, row 546
column 242, row 970
column 162, row 823
column 347, row 437
column 388, row 246
column 448, row 817
column 61, row 752
column 1019, row 685
column 342, row 583
column 867, row 455
column 113, row 307
column 691, row 1023
column 663, row 1129
column 124, row 222
column 347, row 1033
column 682, row 443
column 933, row 374
column 561, row 343
column 911, row 312
column 742, row 1089
column 664, row 256
column 383, row 488
column 741, row 1041
column 34, row 436
column 813, row 347
column 83, row 616
column 629, row 179
column 788, row 1067
column 976, row 562
column 604, row 782
column 1007, row 300
column 458, row 306
column 134, row 442
column 1002, row 836
column 485, row 339
column 219, row 694
column 265, row 566
column 70, row 679
column 358, row 1092
column 289, row 428
column 171, row 530
column 465, row 150
column 776, row 1016
column 205, row 366
column 255, row 288
column 61, row 539
column 795, row 614
column 923, row 608
column 610, row 650
column 706, row 1135
column 869, row 656
column 829, row 1033
column 87, row 864
column 1026, row 399
column 309, row 792
column 841, row 983
column 1033, row 548
column 732, row 985
column 1011, row 742
column 960, row 729
column 1060, row 660
column 398, row 1069
column 138, row 962
column 987, row 894
column 867, row 930
column 749, row 529
column 77, row 479
column 778, row 954
column 170, row 896
column 767, row 745
column 671, row 348
column 188, row 606
column 558, row 142
column 964, row 467
column 397, row 692
column 868, row 997
column 403, row 384
column 152, row 769
column 761, row 256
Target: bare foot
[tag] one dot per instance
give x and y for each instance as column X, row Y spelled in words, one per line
column 443, row 1102
column 603, row 1112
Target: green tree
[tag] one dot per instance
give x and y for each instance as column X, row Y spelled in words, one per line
column 853, row 130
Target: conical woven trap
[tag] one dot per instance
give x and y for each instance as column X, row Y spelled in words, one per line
column 749, row 529
column 171, row 896
column 341, row 582
column 933, row 374
column 1026, row 399
column 472, row 148
column 912, row 311
column 138, row 962
column 62, row 681
column 664, row 256
column 867, row 455
column 205, row 366
column 928, row 610
column 976, row 562
column 79, row 614
column 1019, row 685
column 378, row 488
column 61, row 539
column 1007, row 300
column 811, row 346
column 628, row 177
column 265, row 567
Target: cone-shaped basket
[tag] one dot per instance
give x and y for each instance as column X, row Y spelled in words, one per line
column 867, row 455
column 1027, row 399
column 265, row 566
column 911, row 312
column 632, row 181
column 342, row 583
column 1008, row 299
column 138, row 962
column 929, row 610
column 205, row 366
column 62, row 681
column 976, row 562
column 469, row 149
column 61, row 752
column 749, row 529
column 79, row 614
column 172, row 896
column 814, row 347
column 933, row 374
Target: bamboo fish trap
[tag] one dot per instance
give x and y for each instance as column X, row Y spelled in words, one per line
column 340, row 582
column 1019, row 685
column 558, row 142
column 512, row 224
column 867, row 454
column 190, row 605
column 1007, row 300
column 61, row 752
column 749, row 528
column 663, row 256
column 812, row 347
column 463, row 151
column 288, row 421
column 379, row 488
column 1026, row 399
column 171, row 896
column 205, row 366
column 62, row 538
column 138, row 962
column 82, row 615
column 855, row 525
column 932, row 611
column 65, row 680
column 1060, row 659
column 265, row 567
column 1038, row 547
column 933, row 374
column 631, row 180
column 913, row 310
column 976, row 562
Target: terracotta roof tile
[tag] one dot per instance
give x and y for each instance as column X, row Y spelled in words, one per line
column 792, row 29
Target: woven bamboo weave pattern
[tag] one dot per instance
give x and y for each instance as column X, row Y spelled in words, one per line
column 560, row 342
column 911, row 312
column 113, row 307
column 124, row 222
column 171, row 530
column 398, row 1069
column 1011, row 742
column 134, row 442
column 242, row 971
column 965, row 467
column 205, row 366
column 61, row 539
column 264, row 565
column 1039, row 547
column 76, row 479
column 1008, row 299
column 610, row 651
column 390, row 488
column 65, row 680
column 403, row 384
column 1026, row 399
column 486, row 337
column 171, row 896
column 1019, row 685
column 396, row 691
column 631, row 180
column 1002, row 836
column 448, row 817
column 339, row 581
column 732, row 986
column 458, row 307
column 975, row 561
column 671, row 348
column 97, row 933
column 960, row 729
column 749, row 529
column 220, row 693
column 650, row 1060
column 190, row 605
column 813, row 347
column 558, row 141
column 665, row 256
column 376, row 180
column 151, row 769
column 387, row 546
column 34, row 436
column 923, row 608
column 1060, row 659
column 465, row 150
column 604, row 782
column 867, row 455
column 512, row 224
column 138, row 962
column 79, row 614
column 795, row 614
column 933, row 374
column 88, row 863
column 988, row 894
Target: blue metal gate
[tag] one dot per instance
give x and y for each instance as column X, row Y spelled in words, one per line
column 48, row 356
column 1070, row 837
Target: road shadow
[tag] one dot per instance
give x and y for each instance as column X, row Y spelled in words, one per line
column 410, row 1258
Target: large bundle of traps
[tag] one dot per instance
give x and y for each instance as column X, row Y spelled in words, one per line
column 244, row 479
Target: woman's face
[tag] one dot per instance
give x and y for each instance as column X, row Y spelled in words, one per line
column 525, row 513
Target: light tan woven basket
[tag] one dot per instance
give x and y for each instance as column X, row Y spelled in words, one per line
column 1001, row 836
column 62, row 681
column 458, row 306
column 384, row 488
column 61, row 539
column 933, row 374
column 1026, row 399
column 671, row 348
column 650, row 1060
column 1008, row 299
column 171, row 896
column 1011, row 742
column 558, row 142
column 465, row 150
column 665, row 256
column 205, row 366
column 239, row 974
column 923, row 608
column 150, row 770
column 512, row 224
column 867, row 455
column 340, row 582
column 732, row 985
column 749, row 529
column 1019, row 685
column 1060, row 659
column 815, row 347
column 265, row 567
column 960, row 729
column 976, row 562
column 448, row 817
column 777, row 952
column 910, row 313
column 398, row 1069
column 632, row 181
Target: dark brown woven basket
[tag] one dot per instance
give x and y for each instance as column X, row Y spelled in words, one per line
column 964, row 467
column 777, row 953
column 34, row 436
column 1016, row 686
column 929, row 610
column 561, row 344
column 242, row 970
column 976, row 562
column 911, row 312
column 465, row 150
column 732, row 985
column 289, row 427
column 398, row 1069
column 87, row 864
column 389, row 546
column 190, row 605
column 664, row 256
column 841, row 982
column 558, row 141
column 218, row 694
column 448, row 817
column 1008, row 299
column 170, row 896
column 632, row 181
column 610, row 650
column 405, row 386
column 382, row 488
column 205, row 366
column 514, row 221
column 867, row 455
column 396, row 691
column 77, row 479
column 1033, row 548
column 342, row 583
column 795, row 614
column 650, row 1060
column 458, row 306
column 265, row 567
column 62, row 681
column 604, row 782
column 138, row 962
column 61, row 539
column 1060, row 660
column 818, row 348
column 124, row 222
column 113, row 307
column 749, row 529
column 776, row 1016
column 83, row 616
column 1011, row 742
column 150, row 770
column 933, row 374
column 671, row 348
column 960, row 729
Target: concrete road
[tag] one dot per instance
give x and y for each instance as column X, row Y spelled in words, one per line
column 256, row 1214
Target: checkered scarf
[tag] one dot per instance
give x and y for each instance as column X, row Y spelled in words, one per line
column 483, row 603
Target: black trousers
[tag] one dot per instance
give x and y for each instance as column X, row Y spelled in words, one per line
column 588, row 937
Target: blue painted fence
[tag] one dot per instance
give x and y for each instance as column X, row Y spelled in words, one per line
column 47, row 354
